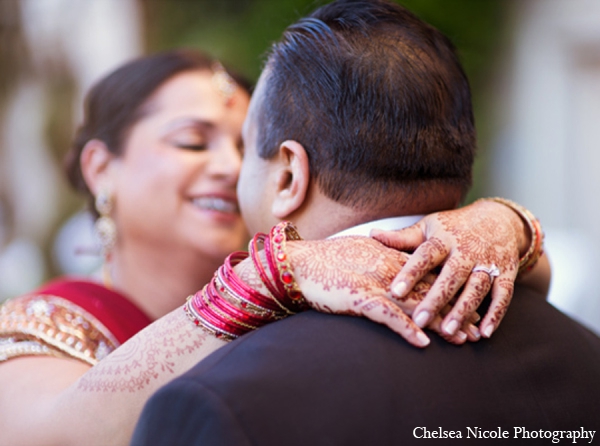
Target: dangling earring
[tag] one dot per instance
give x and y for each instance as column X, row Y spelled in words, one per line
column 107, row 231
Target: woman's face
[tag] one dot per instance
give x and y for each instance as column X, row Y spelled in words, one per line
column 176, row 180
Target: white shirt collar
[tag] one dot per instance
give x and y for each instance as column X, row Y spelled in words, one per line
column 388, row 224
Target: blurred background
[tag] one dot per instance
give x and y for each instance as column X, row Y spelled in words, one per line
column 534, row 67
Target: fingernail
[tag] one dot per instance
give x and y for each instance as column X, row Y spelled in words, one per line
column 487, row 332
column 451, row 327
column 423, row 339
column 399, row 289
column 461, row 335
column 422, row 319
column 474, row 331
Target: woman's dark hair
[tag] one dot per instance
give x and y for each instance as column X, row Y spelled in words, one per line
column 116, row 103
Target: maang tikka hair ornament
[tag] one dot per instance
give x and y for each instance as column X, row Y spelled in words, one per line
column 223, row 82
column 105, row 228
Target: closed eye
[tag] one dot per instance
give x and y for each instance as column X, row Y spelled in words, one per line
column 192, row 147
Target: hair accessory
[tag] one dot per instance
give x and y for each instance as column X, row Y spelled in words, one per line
column 491, row 270
column 222, row 81
column 536, row 249
column 106, row 229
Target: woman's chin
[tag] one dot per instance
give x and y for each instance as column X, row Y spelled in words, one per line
column 220, row 242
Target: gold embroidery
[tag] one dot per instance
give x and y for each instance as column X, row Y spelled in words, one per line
column 52, row 326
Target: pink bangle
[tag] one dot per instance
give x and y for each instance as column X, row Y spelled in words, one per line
column 240, row 288
column 230, row 312
column 227, row 307
column 206, row 322
column 242, row 302
column 253, row 248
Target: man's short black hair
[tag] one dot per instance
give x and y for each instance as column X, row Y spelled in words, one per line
column 378, row 99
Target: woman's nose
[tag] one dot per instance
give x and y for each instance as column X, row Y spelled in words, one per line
column 226, row 160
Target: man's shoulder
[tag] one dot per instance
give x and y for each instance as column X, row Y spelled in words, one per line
column 531, row 323
column 333, row 372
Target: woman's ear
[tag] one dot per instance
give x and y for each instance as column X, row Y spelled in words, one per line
column 292, row 179
column 95, row 162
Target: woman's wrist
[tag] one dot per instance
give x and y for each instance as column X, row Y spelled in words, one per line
column 249, row 290
column 534, row 235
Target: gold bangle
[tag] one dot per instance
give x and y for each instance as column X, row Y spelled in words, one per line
column 536, row 248
column 227, row 294
column 206, row 326
column 279, row 235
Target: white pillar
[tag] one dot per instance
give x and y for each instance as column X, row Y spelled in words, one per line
column 547, row 151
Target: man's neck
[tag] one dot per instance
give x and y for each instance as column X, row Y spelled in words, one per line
column 321, row 217
column 324, row 218
column 386, row 224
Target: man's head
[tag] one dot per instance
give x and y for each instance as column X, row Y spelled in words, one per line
column 376, row 104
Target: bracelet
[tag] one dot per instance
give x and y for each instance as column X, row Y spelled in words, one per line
column 258, row 266
column 280, row 267
column 241, row 289
column 227, row 307
column 204, row 322
column 536, row 248
column 241, row 302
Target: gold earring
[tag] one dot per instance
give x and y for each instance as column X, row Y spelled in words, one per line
column 106, row 230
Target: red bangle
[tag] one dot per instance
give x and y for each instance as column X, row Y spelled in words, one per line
column 206, row 321
column 227, row 307
column 237, row 315
column 242, row 302
column 253, row 248
column 240, row 288
column 206, row 309
column 280, row 267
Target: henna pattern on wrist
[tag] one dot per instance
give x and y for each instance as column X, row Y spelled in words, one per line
column 145, row 357
column 247, row 273
column 357, row 264
column 474, row 245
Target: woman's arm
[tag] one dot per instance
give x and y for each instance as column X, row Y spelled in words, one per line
column 48, row 400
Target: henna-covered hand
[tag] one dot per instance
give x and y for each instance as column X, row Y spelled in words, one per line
column 352, row 275
column 484, row 233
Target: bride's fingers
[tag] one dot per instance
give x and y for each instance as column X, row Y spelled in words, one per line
column 382, row 310
column 406, row 239
column 476, row 288
column 502, row 292
column 426, row 257
column 452, row 277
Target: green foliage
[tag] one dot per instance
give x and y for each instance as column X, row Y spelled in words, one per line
column 239, row 32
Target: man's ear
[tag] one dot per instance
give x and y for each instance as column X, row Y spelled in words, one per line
column 292, row 179
column 95, row 162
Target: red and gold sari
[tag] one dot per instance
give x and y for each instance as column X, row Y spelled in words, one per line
column 69, row 319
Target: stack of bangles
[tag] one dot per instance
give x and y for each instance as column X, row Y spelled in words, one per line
column 227, row 307
column 536, row 249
